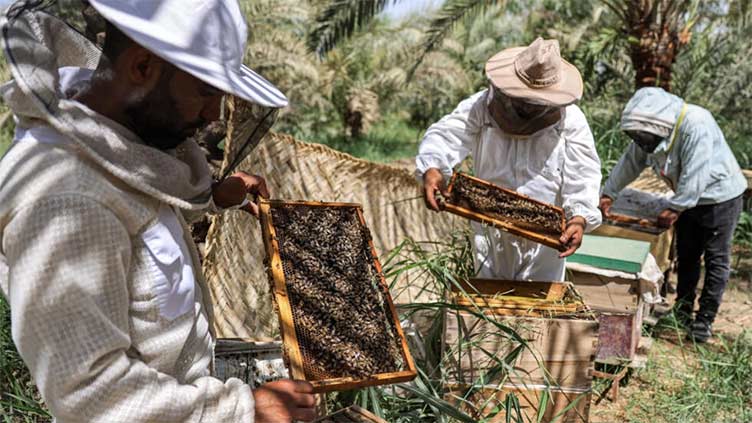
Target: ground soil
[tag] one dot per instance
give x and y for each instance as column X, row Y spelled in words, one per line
column 735, row 316
column 342, row 319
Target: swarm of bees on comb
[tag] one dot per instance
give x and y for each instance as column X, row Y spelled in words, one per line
column 342, row 319
column 499, row 204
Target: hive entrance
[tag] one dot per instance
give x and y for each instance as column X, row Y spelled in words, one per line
column 340, row 307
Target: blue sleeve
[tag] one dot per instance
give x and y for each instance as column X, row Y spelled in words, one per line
column 696, row 155
column 629, row 167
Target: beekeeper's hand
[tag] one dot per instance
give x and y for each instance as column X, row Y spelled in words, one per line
column 572, row 236
column 283, row 401
column 433, row 181
column 234, row 192
column 605, row 205
column 667, row 218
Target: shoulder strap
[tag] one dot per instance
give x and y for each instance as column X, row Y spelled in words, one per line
column 677, row 126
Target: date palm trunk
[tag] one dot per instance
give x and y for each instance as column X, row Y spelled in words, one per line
column 656, row 30
column 653, row 55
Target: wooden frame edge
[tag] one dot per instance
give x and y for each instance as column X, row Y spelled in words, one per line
column 347, row 384
column 558, row 209
column 290, row 346
column 548, row 241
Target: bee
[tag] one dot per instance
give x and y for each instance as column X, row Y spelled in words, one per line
column 502, row 205
column 342, row 321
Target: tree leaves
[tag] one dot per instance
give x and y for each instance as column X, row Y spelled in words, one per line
column 340, row 19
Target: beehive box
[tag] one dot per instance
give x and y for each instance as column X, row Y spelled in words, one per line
column 352, row 414
column 560, row 331
column 339, row 327
column 481, row 201
column 487, row 404
column 660, row 239
column 620, row 254
column 618, row 304
column 634, row 213
column 634, row 223
column 255, row 363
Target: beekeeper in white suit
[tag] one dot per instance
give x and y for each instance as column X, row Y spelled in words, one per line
column 524, row 133
column 109, row 307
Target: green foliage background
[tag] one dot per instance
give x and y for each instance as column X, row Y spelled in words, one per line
column 712, row 71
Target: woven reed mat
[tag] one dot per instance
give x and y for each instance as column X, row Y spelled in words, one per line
column 294, row 170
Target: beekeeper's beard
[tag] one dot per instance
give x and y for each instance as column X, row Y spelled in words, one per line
column 156, row 117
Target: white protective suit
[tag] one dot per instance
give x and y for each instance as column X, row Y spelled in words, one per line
column 109, row 309
column 557, row 165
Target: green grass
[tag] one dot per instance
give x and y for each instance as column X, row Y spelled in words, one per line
column 4, row 144
column 6, row 134
column 7, row 127
column 19, row 398
column 391, row 138
column 696, row 383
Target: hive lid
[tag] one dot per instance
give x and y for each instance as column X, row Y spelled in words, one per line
column 611, row 253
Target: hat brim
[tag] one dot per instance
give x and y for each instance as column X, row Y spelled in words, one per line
column 500, row 71
column 245, row 83
column 242, row 82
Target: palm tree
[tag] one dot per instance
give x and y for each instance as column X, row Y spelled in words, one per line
column 655, row 29
column 340, row 19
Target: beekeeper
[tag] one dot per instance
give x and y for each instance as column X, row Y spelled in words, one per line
column 109, row 309
column 683, row 144
column 525, row 133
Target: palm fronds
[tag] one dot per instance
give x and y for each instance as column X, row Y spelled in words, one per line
column 656, row 31
column 340, row 19
column 445, row 20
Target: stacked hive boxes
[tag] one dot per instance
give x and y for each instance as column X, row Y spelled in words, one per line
column 606, row 272
column 546, row 359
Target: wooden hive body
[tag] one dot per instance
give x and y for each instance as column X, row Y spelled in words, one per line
column 293, row 338
column 530, row 230
column 560, row 331
column 634, row 213
column 616, row 300
column 352, row 414
column 255, row 363
column 660, row 242
column 619, row 306
column 563, row 405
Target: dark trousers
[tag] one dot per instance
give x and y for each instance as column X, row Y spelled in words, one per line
column 705, row 231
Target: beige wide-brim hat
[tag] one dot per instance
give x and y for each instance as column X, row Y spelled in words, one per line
column 536, row 73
